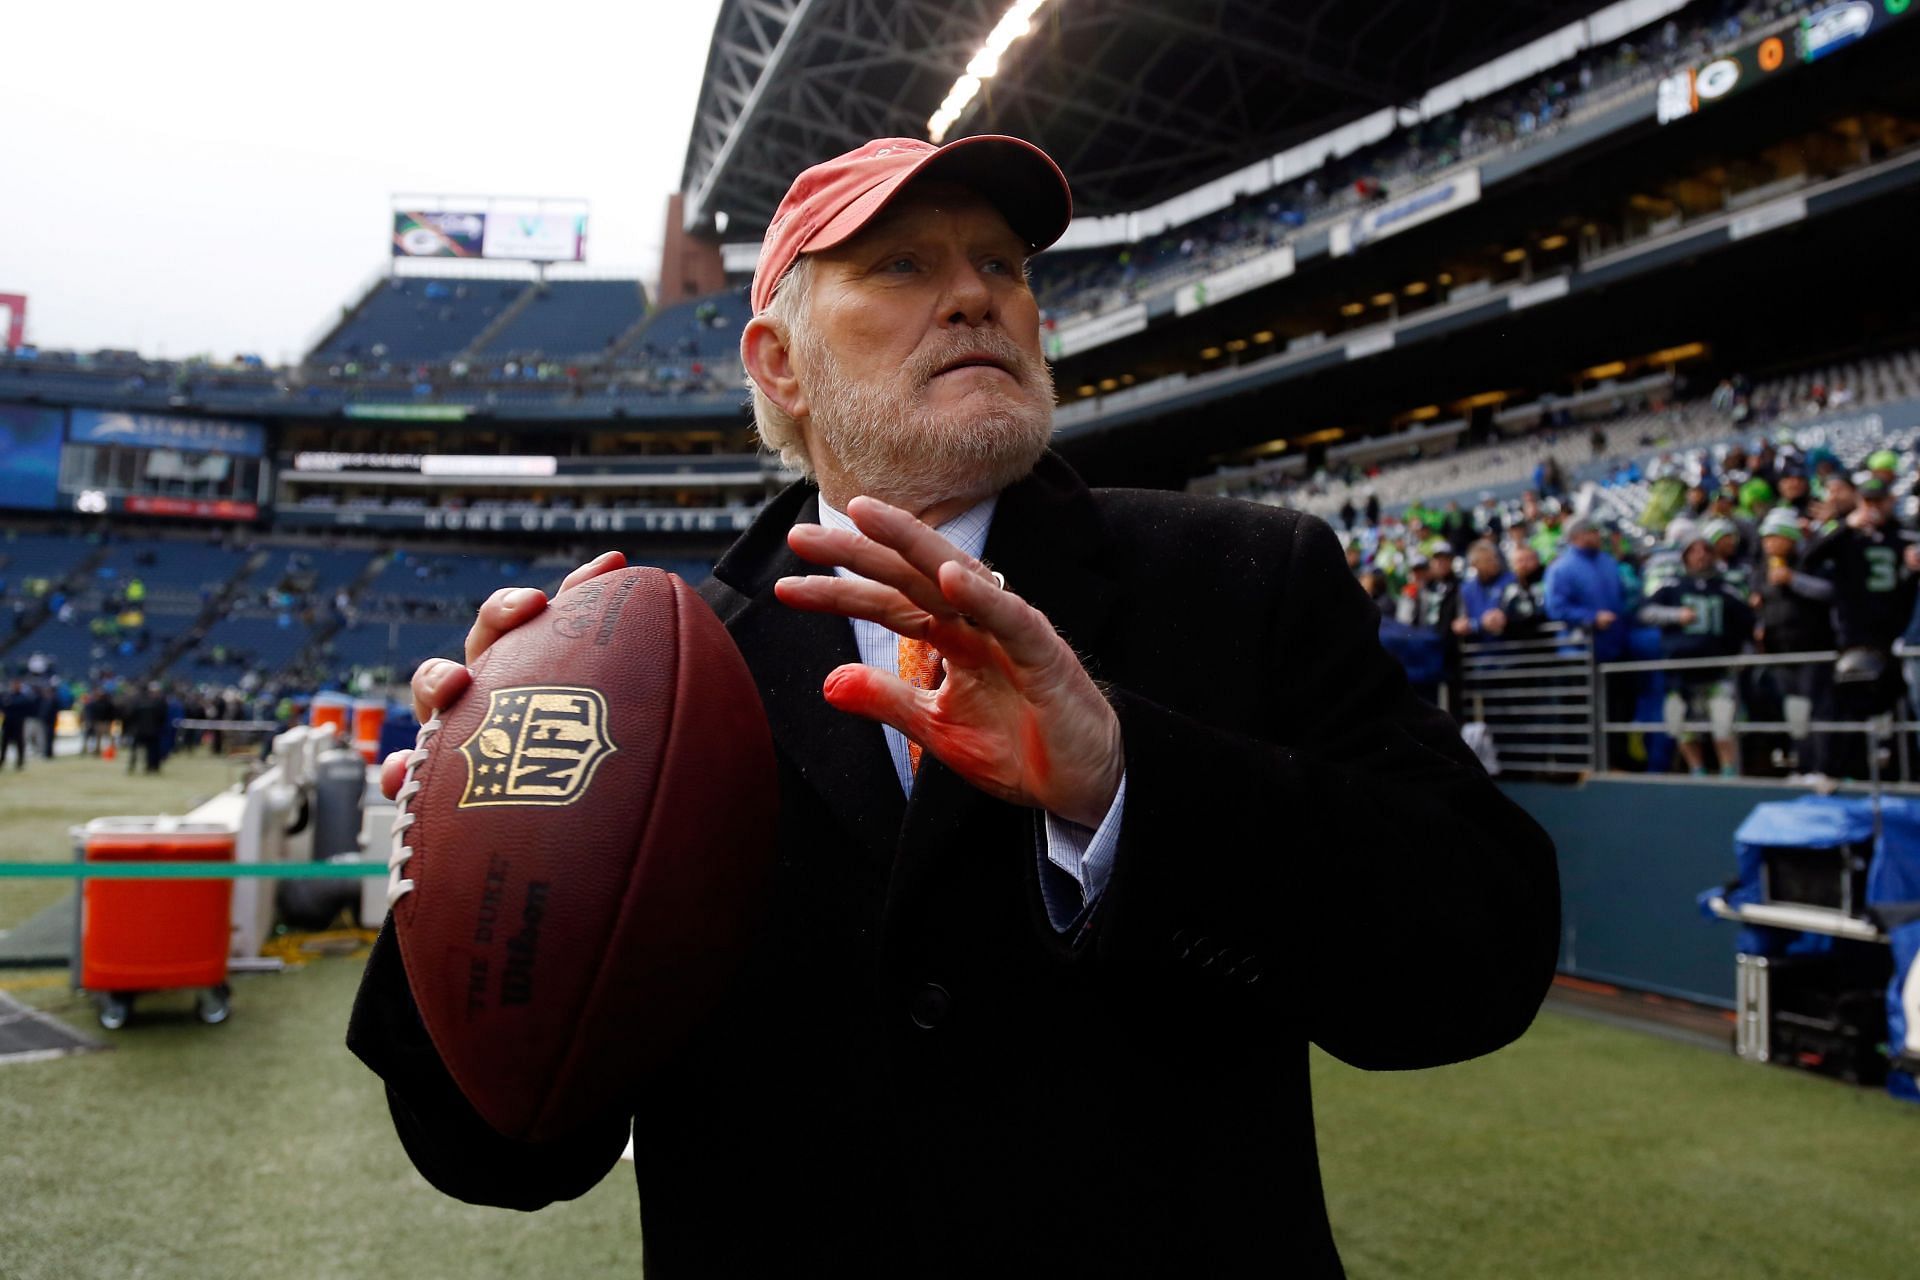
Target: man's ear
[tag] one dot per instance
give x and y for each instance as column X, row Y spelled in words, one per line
column 769, row 360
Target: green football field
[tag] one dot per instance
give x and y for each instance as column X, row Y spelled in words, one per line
column 261, row 1147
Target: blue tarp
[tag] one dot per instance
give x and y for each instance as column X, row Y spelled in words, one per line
column 1893, row 884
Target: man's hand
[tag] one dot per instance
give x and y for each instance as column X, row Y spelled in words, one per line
column 1913, row 558
column 1493, row 622
column 1017, row 715
column 1603, row 619
column 1687, row 616
column 1779, row 575
column 1462, row 626
column 438, row 681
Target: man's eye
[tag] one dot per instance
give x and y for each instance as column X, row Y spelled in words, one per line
column 902, row 264
column 1000, row 266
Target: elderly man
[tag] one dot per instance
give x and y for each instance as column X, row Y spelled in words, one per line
column 1078, row 852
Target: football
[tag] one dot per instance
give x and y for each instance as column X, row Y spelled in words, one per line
column 582, row 848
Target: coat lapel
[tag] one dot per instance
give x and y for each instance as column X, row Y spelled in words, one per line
column 842, row 757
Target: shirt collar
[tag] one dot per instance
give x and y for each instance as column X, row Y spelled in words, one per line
column 966, row 531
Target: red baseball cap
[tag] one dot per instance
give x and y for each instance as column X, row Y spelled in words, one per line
column 831, row 201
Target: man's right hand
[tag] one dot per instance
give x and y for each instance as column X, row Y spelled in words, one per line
column 439, row 681
column 1602, row 620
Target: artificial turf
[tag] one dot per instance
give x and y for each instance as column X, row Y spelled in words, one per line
column 262, row 1148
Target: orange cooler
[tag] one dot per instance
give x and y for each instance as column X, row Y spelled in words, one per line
column 369, row 718
column 154, row 935
column 333, row 709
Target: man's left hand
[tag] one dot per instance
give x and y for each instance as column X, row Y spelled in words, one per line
column 1017, row 715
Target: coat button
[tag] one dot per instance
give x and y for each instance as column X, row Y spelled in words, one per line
column 929, row 1005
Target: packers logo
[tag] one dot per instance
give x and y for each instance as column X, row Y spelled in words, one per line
column 537, row 745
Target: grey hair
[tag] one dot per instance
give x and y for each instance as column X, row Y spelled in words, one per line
column 788, row 309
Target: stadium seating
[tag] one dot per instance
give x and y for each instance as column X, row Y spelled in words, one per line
column 235, row 645
column 419, row 318
column 307, row 571
column 1505, row 467
column 570, row 318
column 25, row 556
column 1092, row 281
column 700, row 329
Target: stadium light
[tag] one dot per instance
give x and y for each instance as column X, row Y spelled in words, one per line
column 1322, row 437
column 1552, row 242
column 1415, row 289
column 1611, row 369
column 1514, row 255
column 1209, row 353
column 983, row 66
column 1263, row 337
column 1673, row 355
column 1109, row 384
column 1352, row 309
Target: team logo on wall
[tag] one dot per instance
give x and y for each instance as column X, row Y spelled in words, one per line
column 536, row 745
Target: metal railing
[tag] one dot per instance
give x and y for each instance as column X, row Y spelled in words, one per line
column 1538, row 696
column 1892, row 728
column 1543, row 699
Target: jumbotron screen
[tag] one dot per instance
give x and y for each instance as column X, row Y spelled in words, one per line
column 516, row 237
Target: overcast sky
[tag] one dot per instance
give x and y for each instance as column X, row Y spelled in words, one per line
column 213, row 177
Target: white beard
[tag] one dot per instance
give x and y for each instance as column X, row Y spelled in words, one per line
column 889, row 444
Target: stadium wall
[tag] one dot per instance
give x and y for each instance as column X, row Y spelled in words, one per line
column 1634, row 852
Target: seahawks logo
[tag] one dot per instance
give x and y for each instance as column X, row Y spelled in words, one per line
column 536, row 745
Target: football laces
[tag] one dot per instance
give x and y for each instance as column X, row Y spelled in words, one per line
column 398, row 886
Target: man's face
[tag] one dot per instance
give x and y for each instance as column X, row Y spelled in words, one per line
column 1526, row 562
column 923, row 375
column 1793, row 487
column 1587, row 540
column 1698, row 557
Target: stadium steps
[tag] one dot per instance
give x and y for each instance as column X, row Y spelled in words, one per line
column 630, row 333
column 348, row 316
column 73, row 583
column 323, row 632
column 500, row 322
column 211, row 612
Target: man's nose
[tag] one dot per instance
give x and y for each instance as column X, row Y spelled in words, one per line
column 968, row 300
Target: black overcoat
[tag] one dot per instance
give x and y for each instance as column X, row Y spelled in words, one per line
column 916, row 1075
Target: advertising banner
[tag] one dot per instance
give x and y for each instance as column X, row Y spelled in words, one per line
column 30, row 456
column 195, row 508
column 1405, row 212
column 1242, row 277
column 164, row 431
column 447, row 234
column 1083, row 335
column 536, row 237
column 13, row 318
column 524, row 519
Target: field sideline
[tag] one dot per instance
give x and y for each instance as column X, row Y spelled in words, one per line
column 262, row 1147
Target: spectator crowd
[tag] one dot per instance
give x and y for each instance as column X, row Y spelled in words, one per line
column 1740, row 550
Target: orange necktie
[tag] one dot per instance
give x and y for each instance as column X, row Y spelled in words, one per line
column 920, row 667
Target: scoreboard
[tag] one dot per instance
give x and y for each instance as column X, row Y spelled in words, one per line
column 1823, row 32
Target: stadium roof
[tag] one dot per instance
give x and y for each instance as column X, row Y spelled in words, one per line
column 1137, row 100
